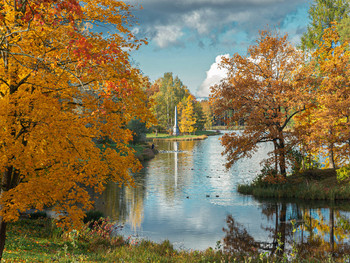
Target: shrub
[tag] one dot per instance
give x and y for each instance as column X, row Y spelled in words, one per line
column 268, row 176
column 100, row 233
column 39, row 214
column 92, row 216
column 343, row 173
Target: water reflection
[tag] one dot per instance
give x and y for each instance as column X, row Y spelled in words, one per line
column 124, row 204
column 185, row 195
column 317, row 232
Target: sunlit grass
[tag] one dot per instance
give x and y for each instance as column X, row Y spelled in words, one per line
column 37, row 241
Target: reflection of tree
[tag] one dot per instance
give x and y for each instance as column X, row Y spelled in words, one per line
column 311, row 232
column 170, row 172
column 187, row 146
column 134, row 198
column 324, row 235
column 281, row 229
column 317, row 234
column 111, row 203
column 123, row 204
column 237, row 239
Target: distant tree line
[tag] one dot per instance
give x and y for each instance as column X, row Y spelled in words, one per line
column 166, row 93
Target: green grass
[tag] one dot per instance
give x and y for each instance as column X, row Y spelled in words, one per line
column 311, row 185
column 39, row 240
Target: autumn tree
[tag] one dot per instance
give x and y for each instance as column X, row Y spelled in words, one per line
column 322, row 14
column 325, row 127
column 187, row 119
column 262, row 89
column 62, row 86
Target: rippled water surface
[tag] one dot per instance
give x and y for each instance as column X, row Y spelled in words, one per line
column 185, row 195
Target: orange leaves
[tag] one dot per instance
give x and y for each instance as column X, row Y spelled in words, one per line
column 325, row 125
column 272, row 178
column 66, row 96
column 261, row 91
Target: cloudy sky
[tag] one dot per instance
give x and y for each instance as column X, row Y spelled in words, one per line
column 188, row 37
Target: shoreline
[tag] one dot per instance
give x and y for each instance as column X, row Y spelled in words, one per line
column 165, row 137
column 317, row 184
column 179, row 138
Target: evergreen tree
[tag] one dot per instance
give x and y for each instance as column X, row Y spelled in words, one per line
column 322, row 13
column 344, row 30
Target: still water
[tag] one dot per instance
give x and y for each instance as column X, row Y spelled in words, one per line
column 186, row 195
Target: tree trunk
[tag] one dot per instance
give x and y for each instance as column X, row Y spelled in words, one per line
column 331, row 231
column 275, row 236
column 276, row 154
column 5, row 186
column 2, row 236
column 282, row 229
column 282, row 156
column 331, row 156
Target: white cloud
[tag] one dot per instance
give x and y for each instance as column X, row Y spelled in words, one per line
column 214, row 75
column 167, row 35
column 166, row 22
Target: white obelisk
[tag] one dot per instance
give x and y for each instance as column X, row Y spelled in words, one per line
column 176, row 131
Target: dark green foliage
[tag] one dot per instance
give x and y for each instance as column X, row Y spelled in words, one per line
column 199, row 116
column 322, row 13
column 39, row 214
column 296, row 158
column 344, row 29
column 139, row 131
column 92, row 216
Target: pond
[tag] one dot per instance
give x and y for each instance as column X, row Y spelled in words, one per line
column 185, row 195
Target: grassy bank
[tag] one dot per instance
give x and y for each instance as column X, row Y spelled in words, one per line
column 318, row 184
column 199, row 135
column 38, row 240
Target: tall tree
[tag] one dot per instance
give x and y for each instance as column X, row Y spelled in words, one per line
column 187, row 117
column 198, row 115
column 61, row 86
column 344, row 30
column 261, row 89
column 322, row 13
column 208, row 114
column 327, row 125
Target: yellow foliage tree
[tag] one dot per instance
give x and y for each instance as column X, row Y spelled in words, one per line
column 62, row 87
column 187, row 119
column 325, row 127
